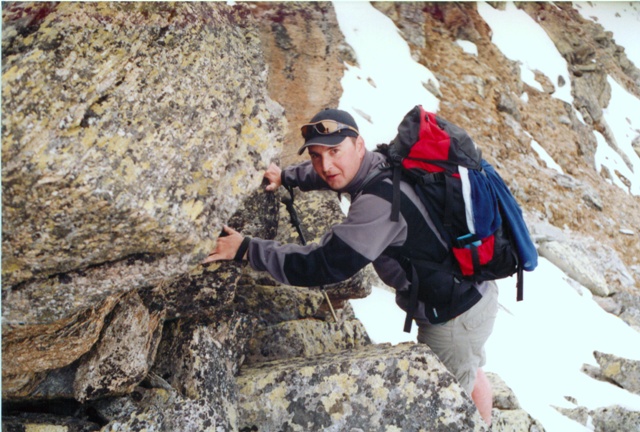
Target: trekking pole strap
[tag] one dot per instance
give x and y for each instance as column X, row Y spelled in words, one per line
column 413, row 300
column 293, row 214
column 242, row 250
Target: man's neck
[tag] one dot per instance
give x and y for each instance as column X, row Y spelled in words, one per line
column 369, row 161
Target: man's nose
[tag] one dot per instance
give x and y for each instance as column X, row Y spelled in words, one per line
column 326, row 164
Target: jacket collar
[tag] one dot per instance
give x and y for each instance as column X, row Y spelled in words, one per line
column 370, row 161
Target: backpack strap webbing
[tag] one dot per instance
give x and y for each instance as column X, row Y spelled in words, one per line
column 379, row 172
column 448, row 203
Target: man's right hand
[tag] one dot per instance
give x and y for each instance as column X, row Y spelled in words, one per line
column 272, row 174
column 226, row 247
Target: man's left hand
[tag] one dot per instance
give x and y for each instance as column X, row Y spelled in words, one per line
column 272, row 175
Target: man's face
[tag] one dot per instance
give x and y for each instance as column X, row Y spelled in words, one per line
column 338, row 165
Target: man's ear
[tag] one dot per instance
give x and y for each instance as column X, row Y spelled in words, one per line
column 360, row 146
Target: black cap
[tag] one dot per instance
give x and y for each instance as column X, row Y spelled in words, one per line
column 334, row 138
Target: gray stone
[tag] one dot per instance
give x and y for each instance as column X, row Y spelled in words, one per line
column 377, row 388
column 609, row 304
column 507, row 415
column 632, row 317
column 623, row 371
column 159, row 410
column 503, row 397
column 514, row 421
column 615, row 418
column 579, row 414
column 574, row 262
column 199, row 359
column 305, row 338
column 131, row 132
column 123, row 355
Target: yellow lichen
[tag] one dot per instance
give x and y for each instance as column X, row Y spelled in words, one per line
column 403, row 364
column 193, row 208
column 613, row 369
column 149, row 205
column 32, row 427
column 200, row 187
column 380, row 393
column 411, row 391
column 128, row 170
column 307, row 371
column 117, row 145
column 278, row 396
column 90, row 137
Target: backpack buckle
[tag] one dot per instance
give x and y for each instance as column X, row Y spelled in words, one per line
column 426, row 178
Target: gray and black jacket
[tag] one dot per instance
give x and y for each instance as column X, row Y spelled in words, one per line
column 366, row 236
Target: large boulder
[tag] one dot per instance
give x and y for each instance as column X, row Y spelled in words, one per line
column 376, row 388
column 129, row 129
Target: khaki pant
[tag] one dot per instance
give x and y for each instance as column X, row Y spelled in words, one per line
column 459, row 343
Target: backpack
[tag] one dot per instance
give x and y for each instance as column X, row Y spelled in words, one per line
column 471, row 206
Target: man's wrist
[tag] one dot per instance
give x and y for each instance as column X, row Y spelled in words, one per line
column 242, row 250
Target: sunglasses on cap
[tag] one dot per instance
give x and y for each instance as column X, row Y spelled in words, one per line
column 324, row 127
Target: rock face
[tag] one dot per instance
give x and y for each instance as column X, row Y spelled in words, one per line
column 114, row 168
column 132, row 131
column 305, row 51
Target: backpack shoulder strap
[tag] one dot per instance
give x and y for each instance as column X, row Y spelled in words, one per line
column 395, row 204
column 382, row 171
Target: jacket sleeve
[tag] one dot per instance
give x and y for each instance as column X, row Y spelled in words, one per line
column 342, row 252
column 302, row 176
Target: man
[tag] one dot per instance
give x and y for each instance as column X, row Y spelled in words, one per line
column 455, row 331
